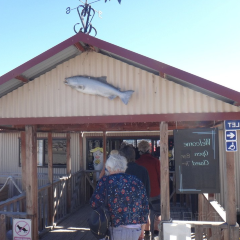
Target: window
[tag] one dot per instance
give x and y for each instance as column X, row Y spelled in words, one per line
column 59, row 150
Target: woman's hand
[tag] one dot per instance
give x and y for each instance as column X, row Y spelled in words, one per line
column 141, row 237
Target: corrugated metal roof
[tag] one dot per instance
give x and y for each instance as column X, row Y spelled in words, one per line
column 9, row 86
column 51, row 63
column 198, row 89
column 128, row 61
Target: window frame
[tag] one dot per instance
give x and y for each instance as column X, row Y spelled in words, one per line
column 45, row 165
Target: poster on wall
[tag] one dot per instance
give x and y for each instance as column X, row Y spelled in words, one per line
column 197, row 160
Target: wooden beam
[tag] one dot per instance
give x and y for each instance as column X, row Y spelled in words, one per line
column 164, row 176
column 3, row 228
column 81, row 164
column 164, row 181
column 50, row 179
column 231, row 215
column 135, row 126
column 82, row 180
column 31, row 179
column 69, row 188
column 79, row 47
column 22, row 78
column 200, row 207
column 23, row 160
column 199, row 232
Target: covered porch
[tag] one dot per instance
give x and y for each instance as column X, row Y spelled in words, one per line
column 63, row 201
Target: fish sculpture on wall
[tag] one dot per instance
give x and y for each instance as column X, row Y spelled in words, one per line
column 97, row 86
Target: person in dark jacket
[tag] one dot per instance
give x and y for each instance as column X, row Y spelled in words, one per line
column 140, row 172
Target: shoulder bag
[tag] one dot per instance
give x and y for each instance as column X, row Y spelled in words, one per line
column 99, row 220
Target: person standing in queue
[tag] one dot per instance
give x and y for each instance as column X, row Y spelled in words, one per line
column 126, row 197
column 140, row 172
column 152, row 165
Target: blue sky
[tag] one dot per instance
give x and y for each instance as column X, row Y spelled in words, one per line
column 198, row 36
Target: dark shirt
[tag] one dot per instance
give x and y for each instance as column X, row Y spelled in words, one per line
column 127, row 199
column 152, row 165
column 141, row 173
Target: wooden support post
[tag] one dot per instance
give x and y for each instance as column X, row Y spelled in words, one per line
column 31, row 179
column 82, row 181
column 69, row 187
column 2, row 227
column 164, row 181
column 50, row 179
column 231, row 214
column 198, row 232
column 234, row 232
column 216, row 233
column 23, row 160
column 200, row 207
column 23, row 164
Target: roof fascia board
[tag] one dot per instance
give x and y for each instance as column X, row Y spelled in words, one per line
column 220, row 116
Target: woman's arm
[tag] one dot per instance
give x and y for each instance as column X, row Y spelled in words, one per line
column 98, row 197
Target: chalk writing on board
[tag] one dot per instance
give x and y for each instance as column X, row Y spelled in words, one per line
column 200, row 142
column 197, row 161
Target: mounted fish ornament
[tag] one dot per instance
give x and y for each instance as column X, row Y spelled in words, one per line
column 97, row 86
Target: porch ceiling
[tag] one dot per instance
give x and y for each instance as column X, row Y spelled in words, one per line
column 134, row 126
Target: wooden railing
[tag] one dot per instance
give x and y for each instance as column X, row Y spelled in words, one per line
column 211, row 221
column 16, row 207
column 211, row 217
column 210, row 210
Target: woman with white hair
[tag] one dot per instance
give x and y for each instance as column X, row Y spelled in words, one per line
column 127, row 200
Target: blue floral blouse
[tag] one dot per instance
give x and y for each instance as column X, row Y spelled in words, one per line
column 127, row 199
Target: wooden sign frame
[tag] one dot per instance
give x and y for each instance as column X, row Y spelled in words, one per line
column 197, row 160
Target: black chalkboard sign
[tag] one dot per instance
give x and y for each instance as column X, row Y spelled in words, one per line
column 197, row 160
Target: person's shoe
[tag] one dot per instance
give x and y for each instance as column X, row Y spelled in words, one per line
column 156, row 232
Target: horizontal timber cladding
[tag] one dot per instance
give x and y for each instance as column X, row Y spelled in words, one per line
column 48, row 96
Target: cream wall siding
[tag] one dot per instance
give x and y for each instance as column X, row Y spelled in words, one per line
column 48, row 96
column 9, row 153
column 222, row 169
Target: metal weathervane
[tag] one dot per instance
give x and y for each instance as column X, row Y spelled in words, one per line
column 86, row 14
